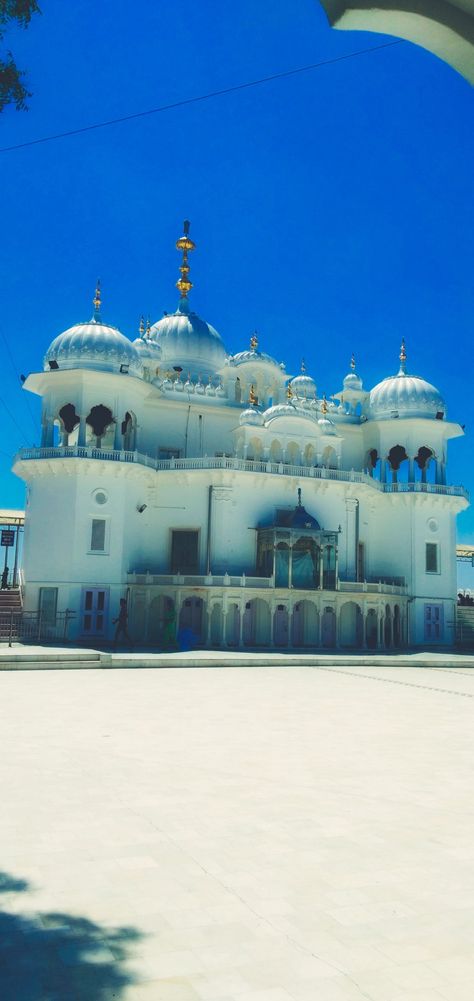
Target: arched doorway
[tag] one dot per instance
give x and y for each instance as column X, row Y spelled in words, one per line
column 396, row 627
column 371, row 629
column 216, row 625
column 351, row 625
column 305, row 625
column 191, row 621
column 232, row 625
column 256, row 625
column 328, row 628
column 387, row 628
column 280, row 626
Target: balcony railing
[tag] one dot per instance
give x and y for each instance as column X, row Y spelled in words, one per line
column 235, row 464
column 211, row 580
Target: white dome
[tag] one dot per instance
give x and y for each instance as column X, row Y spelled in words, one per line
column 405, row 396
column 148, row 351
column 286, row 410
column 352, row 381
column 304, row 386
column 189, row 342
column 253, row 355
column 251, row 416
column 93, row 345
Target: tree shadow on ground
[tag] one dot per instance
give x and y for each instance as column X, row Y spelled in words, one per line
column 59, row 957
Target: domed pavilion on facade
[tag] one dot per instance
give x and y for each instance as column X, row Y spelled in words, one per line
column 232, row 505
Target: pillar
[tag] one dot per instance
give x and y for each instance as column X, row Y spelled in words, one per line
column 351, row 538
column 81, row 438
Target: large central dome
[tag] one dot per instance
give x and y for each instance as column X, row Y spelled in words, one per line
column 189, row 342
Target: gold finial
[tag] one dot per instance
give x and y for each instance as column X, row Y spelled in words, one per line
column 353, row 362
column 303, row 366
column 403, row 356
column 185, row 245
column 324, row 406
column 148, row 327
column 289, row 392
column 96, row 301
column 141, row 328
column 254, row 341
column 253, row 398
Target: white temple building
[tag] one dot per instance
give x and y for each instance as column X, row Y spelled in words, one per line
column 230, row 503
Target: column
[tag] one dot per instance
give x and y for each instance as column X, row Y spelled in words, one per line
column 118, row 436
column 81, row 438
column 351, row 538
column 411, row 470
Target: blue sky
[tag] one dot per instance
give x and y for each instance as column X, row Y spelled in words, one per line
column 333, row 210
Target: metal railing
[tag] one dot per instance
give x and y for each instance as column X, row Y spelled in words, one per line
column 235, row 464
column 34, row 627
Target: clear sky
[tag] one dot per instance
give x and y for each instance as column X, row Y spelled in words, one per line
column 333, row 210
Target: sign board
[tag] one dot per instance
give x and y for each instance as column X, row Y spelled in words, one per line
column 8, row 537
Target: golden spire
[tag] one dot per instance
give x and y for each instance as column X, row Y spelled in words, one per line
column 403, row 356
column 303, row 366
column 141, row 328
column 253, row 398
column 254, row 341
column 96, row 302
column 185, row 245
column 289, row 392
column 148, row 327
column 324, row 406
column 353, row 362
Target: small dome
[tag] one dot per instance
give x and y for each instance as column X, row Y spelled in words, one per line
column 407, row 396
column 93, row 345
column 352, row 380
column 148, row 351
column 189, row 342
column 286, row 410
column 303, row 386
column 326, row 426
column 252, row 356
column 251, row 416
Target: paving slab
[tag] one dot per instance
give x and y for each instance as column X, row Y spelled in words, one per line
column 237, row 835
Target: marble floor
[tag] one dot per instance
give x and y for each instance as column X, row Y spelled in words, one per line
column 276, row 834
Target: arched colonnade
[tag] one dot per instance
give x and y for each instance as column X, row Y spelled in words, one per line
column 237, row 621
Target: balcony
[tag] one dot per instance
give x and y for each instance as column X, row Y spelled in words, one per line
column 235, row 465
column 382, row 586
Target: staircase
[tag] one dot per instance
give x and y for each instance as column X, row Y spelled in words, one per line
column 465, row 627
column 10, row 612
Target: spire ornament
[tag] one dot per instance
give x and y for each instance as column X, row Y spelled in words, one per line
column 148, row 327
column 185, row 245
column 254, row 341
column 289, row 392
column 353, row 362
column 303, row 367
column 96, row 302
column 253, row 398
column 403, row 357
column 141, row 328
column 324, row 406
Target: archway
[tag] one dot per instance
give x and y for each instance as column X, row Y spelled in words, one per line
column 256, row 625
column 191, row 621
column 100, row 427
column 280, row 626
column 255, row 449
column 232, row 625
column 293, row 454
column 275, row 451
column 350, row 625
column 161, row 620
column 216, row 625
column 387, row 628
column 397, row 456
column 305, row 625
column 426, row 463
column 371, row 629
column 69, row 424
column 328, row 628
column 372, row 463
column 396, row 627
column 128, row 428
column 330, row 458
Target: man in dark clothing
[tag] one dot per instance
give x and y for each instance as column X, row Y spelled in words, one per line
column 121, row 621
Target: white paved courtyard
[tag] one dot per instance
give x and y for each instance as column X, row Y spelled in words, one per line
column 271, row 834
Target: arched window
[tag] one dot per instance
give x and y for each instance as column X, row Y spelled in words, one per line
column 330, row 458
column 128, row 428
column 275, row 451
column 396, row 457
column 426, row 462
column 293, row 454
column 100, row 427
column 372, row 463
column 69, row 422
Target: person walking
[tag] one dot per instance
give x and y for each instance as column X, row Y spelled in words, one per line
column 121, row 622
